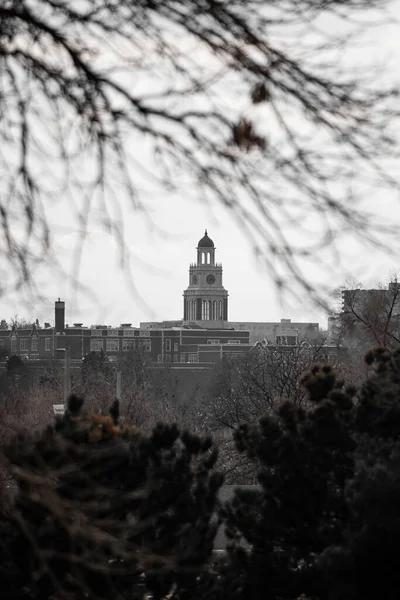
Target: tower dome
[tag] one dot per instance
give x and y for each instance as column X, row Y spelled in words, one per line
column 205, row 241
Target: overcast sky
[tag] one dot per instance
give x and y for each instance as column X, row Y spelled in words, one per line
column 160, row 271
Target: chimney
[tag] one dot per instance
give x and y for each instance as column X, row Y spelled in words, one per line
column 59, row 310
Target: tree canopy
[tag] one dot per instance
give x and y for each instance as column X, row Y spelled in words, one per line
column 324, row 521
column 104, row 511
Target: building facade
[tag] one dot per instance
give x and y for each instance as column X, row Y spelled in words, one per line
column 181, row 346
column 202, row 337
column 282, row 333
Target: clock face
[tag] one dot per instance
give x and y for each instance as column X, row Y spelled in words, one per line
column 210, row 278
column 195, row 279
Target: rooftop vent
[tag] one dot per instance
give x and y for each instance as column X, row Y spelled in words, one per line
column 126, row 324
column 78, row 324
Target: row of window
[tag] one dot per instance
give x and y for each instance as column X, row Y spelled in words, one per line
column 26, row 344
column 211, row 310
column 192, row 358
column 31, row 344
column 114, row 332
column 211, row 342
column 168, row 345
column 113, row 345
column 215, row 342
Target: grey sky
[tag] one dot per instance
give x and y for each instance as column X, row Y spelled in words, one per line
column 160, row 273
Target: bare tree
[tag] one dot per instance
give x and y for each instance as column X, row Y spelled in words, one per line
column 249, row 387
column 80, row 79
column 369, row 317
column 22, row 322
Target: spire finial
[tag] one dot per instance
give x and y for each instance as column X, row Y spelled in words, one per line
column 205, row 233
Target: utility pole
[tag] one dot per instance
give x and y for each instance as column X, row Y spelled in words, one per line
column 119, row 385
column 67, row 378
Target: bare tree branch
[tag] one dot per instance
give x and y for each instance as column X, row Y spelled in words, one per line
column 83, row 85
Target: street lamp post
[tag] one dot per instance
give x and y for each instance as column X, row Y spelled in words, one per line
column 67, row 372
column 67, row 375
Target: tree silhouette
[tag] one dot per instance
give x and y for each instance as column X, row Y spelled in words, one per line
column 323, row 522
column 104, row 511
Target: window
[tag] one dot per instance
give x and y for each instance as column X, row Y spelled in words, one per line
column 145, row 345
column 34, row 356
column 1, row 343
column 283, row 340
column 129, row 332
column 167, row 345
column 205, row 310
column 34, row 344
column 127, row 345
column 167, row 358
column 159, row 358
column 24, row 344
column 112, row 332
column 47, row 344
column 183, row 357
column 97, row 332
column 112, row 345
column 193, row 358
column 176, row 357
column 96, row 345
column 212, row 342
column 176, row 347
column 192, row 310
column 233, row 341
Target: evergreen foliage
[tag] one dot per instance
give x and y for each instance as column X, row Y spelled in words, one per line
column 324, row 523
column 103, row 511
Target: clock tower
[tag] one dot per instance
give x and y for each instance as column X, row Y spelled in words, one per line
column 205, row 299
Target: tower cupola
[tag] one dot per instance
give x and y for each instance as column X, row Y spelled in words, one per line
column 205, row 251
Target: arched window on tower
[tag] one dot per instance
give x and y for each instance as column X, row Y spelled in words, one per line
column 215, row 315
column 220, row 310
